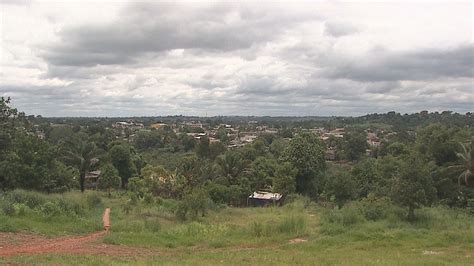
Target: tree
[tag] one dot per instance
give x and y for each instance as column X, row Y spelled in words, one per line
column 365, row 177
column 341, row 185
column 121, row 158
column 109, row 178
column 231, row 165
column 436, row 143
column 80, row 154
column 413, row 186
column 10, row 119
column 467, row 163
column 262, row 172
column 306, row 152
column 355, row 144
column 397, row 149
column 284, row 180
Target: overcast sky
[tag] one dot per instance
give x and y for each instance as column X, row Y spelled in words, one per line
column 110, row 58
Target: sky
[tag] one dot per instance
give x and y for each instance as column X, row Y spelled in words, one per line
column 209, row 58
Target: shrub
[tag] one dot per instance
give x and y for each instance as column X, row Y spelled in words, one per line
column 8, row 209
column 196, row 203
column 31, row 199
column 297, row 201
column 127, row 208
column 374, row 208
column 21, row 208
column 93, row 200
column 346, row 216
column 148, row 198
column 70, row 207
column 50, row 209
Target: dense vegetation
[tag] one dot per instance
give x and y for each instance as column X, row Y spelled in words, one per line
column 159, row 177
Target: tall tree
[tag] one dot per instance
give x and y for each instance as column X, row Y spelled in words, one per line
column 413, row 186
column 306, row 152
column 121, row 158
column 80, row 154
column 467, row 163
column 355, row 144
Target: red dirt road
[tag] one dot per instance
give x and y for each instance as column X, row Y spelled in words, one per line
column 21, row 243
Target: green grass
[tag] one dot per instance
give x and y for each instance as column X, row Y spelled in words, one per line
column 244, row 236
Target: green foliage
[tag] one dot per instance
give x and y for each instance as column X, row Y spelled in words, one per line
column 341, row 186
column 109, row 178
column 306, row 152
column 413, row 186
column 8, row 208
column 93, row 200
column 284, row 180
column 437, row 143
column 261, row 172
column 121, row 157
column 397, row 149
column 346, row 216
column 375, row 208
column 293, row 225
column 194, row 204
column 355, row 144
column 50, row 209
column 365, row 176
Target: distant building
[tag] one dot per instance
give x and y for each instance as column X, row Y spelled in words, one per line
column 331, row 154
column 262, row 198
column 158, row 125
column 130, row 125
column 92, row 179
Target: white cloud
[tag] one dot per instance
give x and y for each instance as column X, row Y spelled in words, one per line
column 250, row 58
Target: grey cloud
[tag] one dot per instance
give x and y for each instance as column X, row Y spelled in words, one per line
column 335, row 29
column 429, row 64
column 157, row 27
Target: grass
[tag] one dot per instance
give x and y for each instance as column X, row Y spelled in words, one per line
column 439, row 236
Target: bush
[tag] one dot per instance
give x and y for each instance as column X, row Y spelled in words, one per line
column 8, row 209
column 70, row 207
column 196, row 203
column 127, row 208
column 346, row 216
column 373, row 208
column 297, row 201
column 50, row 209
column 93, row 200
column 31, row 199
column 21, row 208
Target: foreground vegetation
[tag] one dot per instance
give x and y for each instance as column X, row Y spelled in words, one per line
column 302, row 232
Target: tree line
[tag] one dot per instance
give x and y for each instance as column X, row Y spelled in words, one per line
column 434, row 165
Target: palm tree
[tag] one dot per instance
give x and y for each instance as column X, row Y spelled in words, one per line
column 79, row 154
column 467, row 164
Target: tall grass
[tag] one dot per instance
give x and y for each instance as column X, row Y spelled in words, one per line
column 48, row 214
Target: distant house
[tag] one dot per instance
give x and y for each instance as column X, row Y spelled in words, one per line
column 263, row 198
column 92, row 179
column 158, row 125
column 330, row 154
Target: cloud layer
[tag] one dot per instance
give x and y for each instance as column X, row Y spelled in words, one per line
column 236, row 59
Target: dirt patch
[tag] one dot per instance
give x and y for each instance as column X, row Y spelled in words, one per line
column 431, row 253
column 297, row 240
column 20, row 243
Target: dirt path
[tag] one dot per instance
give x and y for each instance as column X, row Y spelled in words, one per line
column 20, row 243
